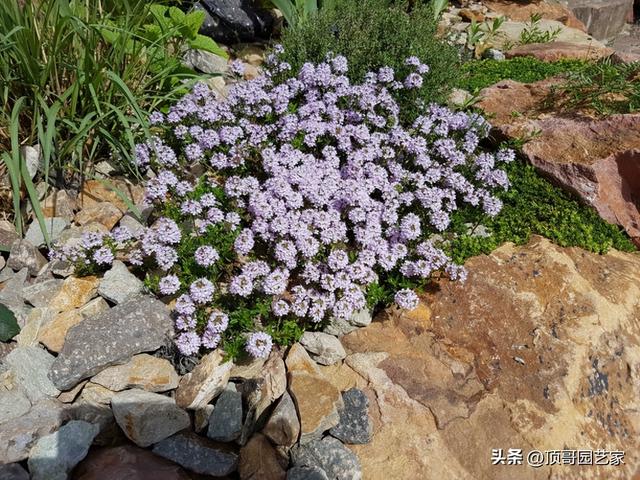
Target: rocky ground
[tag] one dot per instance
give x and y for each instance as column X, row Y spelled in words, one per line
column 538, row 350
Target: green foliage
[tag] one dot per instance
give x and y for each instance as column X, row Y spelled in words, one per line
column 297, row 11
column 476, row 75
column 480, row 36
column 372, row 34
column 79, row 78
column 603, row 86
column 532, row 33
column 9, row 327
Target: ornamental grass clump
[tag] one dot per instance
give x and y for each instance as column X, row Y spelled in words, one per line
column 279, row 207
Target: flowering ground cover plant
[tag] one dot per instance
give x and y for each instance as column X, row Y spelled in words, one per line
column 287, row 204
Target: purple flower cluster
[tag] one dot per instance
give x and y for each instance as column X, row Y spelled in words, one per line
column 325, row 189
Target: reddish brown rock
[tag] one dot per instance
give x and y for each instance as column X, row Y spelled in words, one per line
column 538, row 349
column 554, row 51
column 94, row 192
column 127, row 462
column 104, row 213
column 598, row 159
column 259, row 460
column 522, row 12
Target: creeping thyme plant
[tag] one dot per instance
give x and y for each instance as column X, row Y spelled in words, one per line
column 287, row 204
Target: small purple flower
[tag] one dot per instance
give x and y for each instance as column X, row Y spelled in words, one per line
column 201, row 291
column 210, row 339
column 406, row 299
column 237, row 67
column 218, row 322
column 280, row 308
column 259, row 344
column 169, row 285
column 244, row 242
column 103, row 256
column 184, row 305
column 188, row 343
column 206, row 256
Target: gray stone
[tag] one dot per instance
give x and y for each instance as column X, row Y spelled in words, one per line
column 147, row 418
column 604, row 19
column 339, row 327
column 36, row 320
column 13, row 471
column 283, row 427
column 24, row 255
column 54, row 456
column 40, row 294
column 361, row 318
column 13, row 400
column 8, row 233
column 143, row 371
column 493, row 54
column 54, row 227
column 197, row 454
column 225, row 422
column 306, row 473
column 30, row 366
column 3, row 262
column 18, row 435
column 102, row 416
column 140, row 325
column 134, row 226
column 330, row 455
column 323, row 348
column 11, row 294
column 31, row 157
column 118, row 284
column 205, row 62
column 355, row 425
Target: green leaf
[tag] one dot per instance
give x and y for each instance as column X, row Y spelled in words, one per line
column 177, row 15
column 194, row 21
column 202, row 42
column 9, row 327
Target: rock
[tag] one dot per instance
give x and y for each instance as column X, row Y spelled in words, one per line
column 96, row 393
column 147, row 418
column 245, row 369
column 140, row 325
column 104, row 213
column 75, row 293
column 225, row 422
column 201, row 418
column 40, row 294
column 13, row 400
column 323, row 348
column 458, row 98
column 19, row 434
column 331, row 456
column 252, row 54
column 522, row 12
column 13, row 471
column 298, row 360
column 339, row 327
column 24, row 255
column 251, row 72
column 36, row 320
column 509, row 34
column 70, row 395
column 469, row 15
column 59, row 204
column 197, row 454
column 306, row 473
column 53, row 333
column 127, row 462
column 54, row 226
column 283, row 427
column 32, row 158
column 54, row 456
column 355, row 425
column 94, row 192
column 8, row 234
column 143, row 371
column 599, row 160
column 119, row 284
column 604, row 19
column 554, row 51
column 31, row 366
column 205, row 382
column 134, row 226
column 259, row 460
column 317, row 402
column 493, row 54
column 233, row 21
column 205, row 62
column 102, row 416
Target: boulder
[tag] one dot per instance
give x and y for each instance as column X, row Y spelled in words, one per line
column 554, row 51
column 538, row 336
column 143, row 371
column 147, row 418
column 331, row 456
column 198, row 454
column 140, row 325
column 522, row 12
column 55, row 455
column 604, row 19
column 233, row 21
column 509, row 33
column 118, row 284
